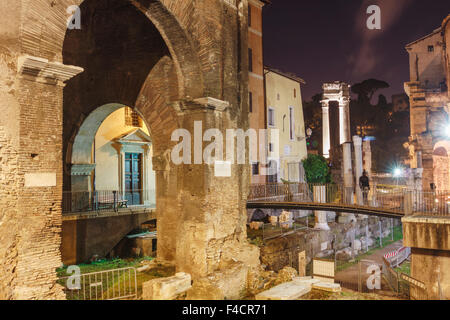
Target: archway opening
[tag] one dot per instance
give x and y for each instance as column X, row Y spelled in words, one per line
column 111, row 162
column 118, row 47
column 441, row 166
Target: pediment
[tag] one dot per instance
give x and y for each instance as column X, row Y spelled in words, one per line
column 137, row 136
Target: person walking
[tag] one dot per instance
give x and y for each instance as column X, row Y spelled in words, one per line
column 365, row 186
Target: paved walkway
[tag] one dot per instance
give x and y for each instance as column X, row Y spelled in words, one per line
column 349, row 276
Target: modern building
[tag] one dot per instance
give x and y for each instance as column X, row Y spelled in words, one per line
column 256, row 79
column 285, row 115
column 429, row 142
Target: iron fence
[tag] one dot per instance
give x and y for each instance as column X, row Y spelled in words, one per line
column 394, row 198
column 116, row 284
column 404, row 285
column 101, row 200
column 279, row 229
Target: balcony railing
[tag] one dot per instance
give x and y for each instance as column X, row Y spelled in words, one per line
column 103, row 200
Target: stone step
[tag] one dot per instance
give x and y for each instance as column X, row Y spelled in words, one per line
column 285, row 291
column 305, row 281
column 326, row 286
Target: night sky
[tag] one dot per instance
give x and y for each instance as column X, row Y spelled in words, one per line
column 327, row 40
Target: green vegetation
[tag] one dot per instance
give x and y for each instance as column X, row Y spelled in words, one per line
column 114, row 285
column 316, row 169
column 405, row 268
column 104, row 264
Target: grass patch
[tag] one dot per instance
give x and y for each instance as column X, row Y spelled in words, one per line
column 104, row 264
column 405, row 268
column 110, row 284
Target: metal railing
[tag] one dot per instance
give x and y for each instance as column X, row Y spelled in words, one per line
column 403, row 285
column 116, row 284
column 101, row 200
column 393, row 198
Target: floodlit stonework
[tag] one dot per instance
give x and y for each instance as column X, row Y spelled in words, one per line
column 428, row 91
column 167, row 60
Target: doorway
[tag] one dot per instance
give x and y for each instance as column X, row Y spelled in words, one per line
column 133, row 178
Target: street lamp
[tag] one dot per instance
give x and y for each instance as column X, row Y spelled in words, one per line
column 447, row 130
column 397, row 172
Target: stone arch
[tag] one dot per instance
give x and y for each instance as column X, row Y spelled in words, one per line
column 138, row 70
column 44, row 28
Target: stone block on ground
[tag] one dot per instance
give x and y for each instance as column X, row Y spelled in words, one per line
column 255, row 225
column 305, row 281
column 285, row 291
column 326, row 286
column 286, row 275
column 203, row 289
column 357, row 245
column 344, row 254
column 273, row 220
column 166, row 288
column 344, row 219
column 229, row 283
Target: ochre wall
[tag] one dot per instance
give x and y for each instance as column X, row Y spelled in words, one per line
column 277, row 85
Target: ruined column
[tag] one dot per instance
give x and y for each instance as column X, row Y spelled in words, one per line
column 325, row 130
column 321, row 216
column 357, row 143
column 367, row 155
column 344, row 119
column 210, row 224
column 348, row 182
column 342, row 126
column 348, row 172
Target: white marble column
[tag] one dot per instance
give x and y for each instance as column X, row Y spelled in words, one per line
column 325, row 130
column 319, row 193
column 357, row 143
column 348, row 172
column 346, row 120
column 342, row 125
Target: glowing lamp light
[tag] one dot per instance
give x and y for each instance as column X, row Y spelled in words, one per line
column 447, row 130
column 397, row 172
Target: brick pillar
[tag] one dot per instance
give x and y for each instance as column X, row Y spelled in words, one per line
column 200, row 226
column 39, row 166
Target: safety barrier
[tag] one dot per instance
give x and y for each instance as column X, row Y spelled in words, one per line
column 396, row 257
column 116, row 284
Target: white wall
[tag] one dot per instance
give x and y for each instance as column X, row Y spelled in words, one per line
column 107, row 155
